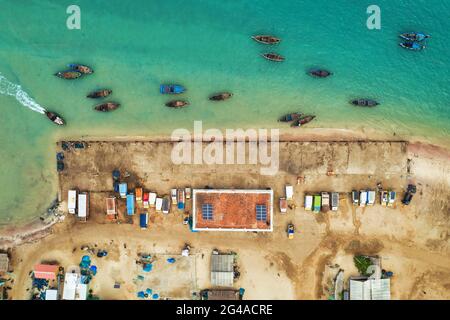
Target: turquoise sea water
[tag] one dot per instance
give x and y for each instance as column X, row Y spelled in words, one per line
column 136, row 45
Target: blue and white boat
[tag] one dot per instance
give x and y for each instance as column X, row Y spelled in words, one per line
column 412, row 45
column 414, row 36
column 171, row 89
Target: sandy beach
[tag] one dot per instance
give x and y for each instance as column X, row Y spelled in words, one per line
column 413, row 241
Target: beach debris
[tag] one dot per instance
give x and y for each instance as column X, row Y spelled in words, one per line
column 171, row 260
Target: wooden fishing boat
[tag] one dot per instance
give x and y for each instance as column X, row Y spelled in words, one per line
column 106, row 107
column 99, row 94
column 319, row 73
column 55, row 118
column 412, row 45
column 81, row 68
column 302, row 121
column 273, row 57
column 177, row 104
column 290, row 117
column 266, row 39
column 364, row 103
column 68, row 75
column 221, row 96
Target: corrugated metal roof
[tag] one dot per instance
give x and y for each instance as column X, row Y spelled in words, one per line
column 222, row 279
column 222, row 274
column 4, row 262
column 222, row 262
column 372, row 289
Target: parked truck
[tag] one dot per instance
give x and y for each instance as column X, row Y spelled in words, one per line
column 317, row 203
column 362, row 198
column 72, row 201
column 392, row 196
column 410, row 192
column 334, row 201
column 308, row 203
column 355, row 198
column 283, row 205
column 325, row 201
column 371, row 197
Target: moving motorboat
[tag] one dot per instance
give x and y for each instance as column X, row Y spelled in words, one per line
column 55, row 118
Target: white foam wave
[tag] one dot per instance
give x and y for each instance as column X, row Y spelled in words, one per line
column 15, row 90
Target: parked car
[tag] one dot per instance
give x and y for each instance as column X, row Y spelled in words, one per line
column 410, row 192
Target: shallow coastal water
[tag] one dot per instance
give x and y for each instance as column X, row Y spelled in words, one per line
column 204, row 45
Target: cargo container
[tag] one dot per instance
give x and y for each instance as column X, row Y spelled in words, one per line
column 325, row 201
column 152, row 199
column 165, row 205
column 334, row 201
column 143, row 221
column 130, row 204
column 362, row 198
column 188, row 193
column 355, row 198
column 158, row 204
column 173, row 195
column 180, row 199
column 289, row 193
column 83, row 206
column 384, row 198
column 283, row 205
column 145, row 200
column 123, row 190
column 392, row 196
column 72, row 201
column 371, row 197
column 308, row 203
column 139, row 195
column 317, row 203
column 111, row 206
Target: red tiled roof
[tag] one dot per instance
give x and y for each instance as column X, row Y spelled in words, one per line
column 232, row 209
column 45, row 271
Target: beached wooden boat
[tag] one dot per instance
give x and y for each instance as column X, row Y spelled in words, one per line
column 55, row 118
column 68, row 75
column 177, row 104
column 319, row 73
column 81, row 68
column 273, row 57
column 99, row 94
column 221, row 96
column 290, row 117
column 266, row 39
column 302, row 121
column 106, row 107
column 364, row 103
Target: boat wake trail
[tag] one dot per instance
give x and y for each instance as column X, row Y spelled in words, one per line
column 11, row 89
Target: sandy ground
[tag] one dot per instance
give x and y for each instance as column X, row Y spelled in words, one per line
column 412, row 241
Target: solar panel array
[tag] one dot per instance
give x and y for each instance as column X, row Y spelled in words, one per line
column 207, row 211
column 261, row 212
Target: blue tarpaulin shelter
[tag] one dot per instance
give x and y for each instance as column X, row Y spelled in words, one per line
column 148, row 267
column 171, row 260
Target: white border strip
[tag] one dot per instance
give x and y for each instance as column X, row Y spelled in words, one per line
column 237, row 191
